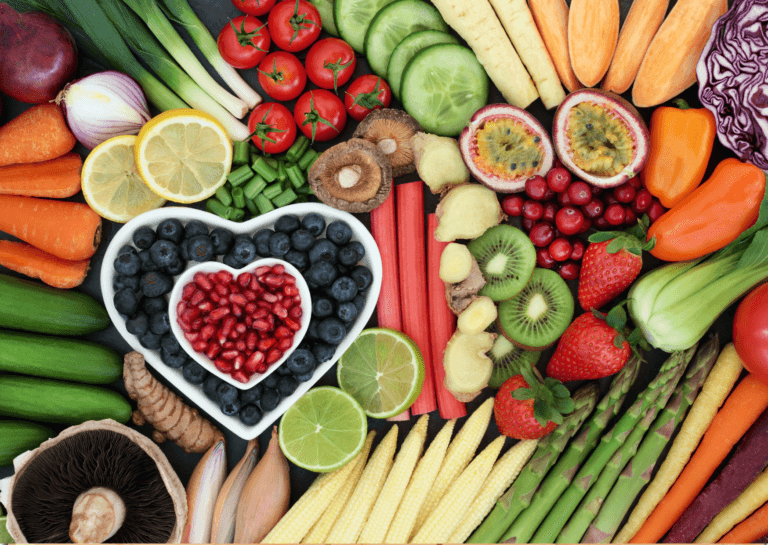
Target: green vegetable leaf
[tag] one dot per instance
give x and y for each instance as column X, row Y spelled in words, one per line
column 757, row 252
column 617, row 318
column 762, row 219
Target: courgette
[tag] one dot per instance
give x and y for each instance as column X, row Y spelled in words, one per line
column 17, row 437
column 47, row 400
column 31, row 306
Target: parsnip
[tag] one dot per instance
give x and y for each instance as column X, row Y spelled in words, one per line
column 551, row 17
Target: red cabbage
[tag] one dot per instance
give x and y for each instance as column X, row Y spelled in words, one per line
column 733, row 79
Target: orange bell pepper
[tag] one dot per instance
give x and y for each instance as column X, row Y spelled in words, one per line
column 681, row 143
column 713, row 216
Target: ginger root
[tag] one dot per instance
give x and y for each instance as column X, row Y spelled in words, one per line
column 461, row 295
column 467, row 367
column 438, row 161
column 477, row 316
column 170, row 416
column 467, row 211
column 455, row 263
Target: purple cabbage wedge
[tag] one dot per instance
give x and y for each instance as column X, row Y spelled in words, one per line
column 733, row 79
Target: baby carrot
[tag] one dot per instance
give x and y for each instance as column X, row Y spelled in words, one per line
column 29, row 261
column 38, row 134
column 58, row 178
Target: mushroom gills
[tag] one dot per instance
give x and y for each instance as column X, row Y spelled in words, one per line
column 391, row 130
column 97, row 515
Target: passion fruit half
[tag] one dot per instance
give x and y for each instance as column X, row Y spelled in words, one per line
column 600, row 137
column 503, row 146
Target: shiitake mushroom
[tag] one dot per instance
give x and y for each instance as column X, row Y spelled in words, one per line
column 391, row 130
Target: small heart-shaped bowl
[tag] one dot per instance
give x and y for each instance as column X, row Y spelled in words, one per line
column 214, row 266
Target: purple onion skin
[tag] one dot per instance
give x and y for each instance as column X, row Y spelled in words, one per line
column 733, row 80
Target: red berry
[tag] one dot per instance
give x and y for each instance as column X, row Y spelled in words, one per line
column 577, row 252
column 536, row 187
column 625, row 193
column 560, row 249
column 635, row 182
column 549, row 195
column 550, row 210
column 579, row 193
column 630, row 218
column 656, row 210
column 558, row 179
column 568, row 270
column 643, row 201
column 512, row 205
column 593, row 209
column 610, row 199
column 542, row 234
column 563, row 199
column 586, row 227
column 596, row 190
column 614, row 214
column 569, row 220
column 528, row 224
column 543, row 259
column 533, row 210
column 601, row 223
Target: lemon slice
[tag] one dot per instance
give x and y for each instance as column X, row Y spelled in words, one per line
column 112, row 186
column 183, row 155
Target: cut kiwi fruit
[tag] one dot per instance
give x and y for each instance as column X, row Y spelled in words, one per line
column 508, row 360
column 506, row 257
column 536, row 317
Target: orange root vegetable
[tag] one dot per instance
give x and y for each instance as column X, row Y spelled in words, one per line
column 57, row 179
column 54, row 271
column 266, row 495
column 225, row 510
column 750, row 529
column 163, row 410
column 38, row 134
column 593, row 30
column 202, row 490
column 551, row 17
column 69, row 230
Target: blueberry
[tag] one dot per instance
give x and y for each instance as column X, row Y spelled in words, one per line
column 153, row 305
column 244, row 251
column 323, row 352
column 127, row 264
column 226, row 393
column 362, row 276
column 359, row 302
column 126, row 301
column 348, row 256
column 195, row 228
column 231, row 408
column 339, row 232
column 155, row 284
column 194, row 372
column 137, row 324
column 174, row 361
column 159, row 323
column 305, row 377
column 283, row 370
column 346, row 312
column 270, row 381
column 164, row 253
column 126, row 249
column 300, row 260
column 302, row 240
column 323, row 250
column 287, row 385
column 331, row 331
column 222, row 240
column 184, row 250
column 150, row 341
column 171, row 229
column 321, row 274
column 231, row 261
column 300, row 362
column 261, row 240
column 251, row 395
column 279, row 244
column 121, row 281
column 242, row 236
column 287, row 224
column 143, row 237
column 147, row 265
column 170, row 343
column 177, row 268
column 322, row 307
column 269, row 399
column 210, row 384
column 250, row 415
column 201, row 248
column 344, row 289
column 358, row 247
column 314, row 223
column 312, row 331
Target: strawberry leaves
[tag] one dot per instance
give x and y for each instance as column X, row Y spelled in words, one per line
column 617, row 319
column 551, row 399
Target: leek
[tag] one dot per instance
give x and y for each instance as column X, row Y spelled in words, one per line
column 183, row 14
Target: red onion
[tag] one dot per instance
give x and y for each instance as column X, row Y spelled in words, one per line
column 103, row 105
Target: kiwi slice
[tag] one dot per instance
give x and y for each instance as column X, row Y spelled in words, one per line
column 508, row 359
column 537, row 316
column 506, row 257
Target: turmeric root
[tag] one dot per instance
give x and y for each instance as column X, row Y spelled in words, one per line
column 170, row 416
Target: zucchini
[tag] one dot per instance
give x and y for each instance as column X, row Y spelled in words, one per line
column 17, row 437
column 34, row 307
column 60, row 358
column 47, row 400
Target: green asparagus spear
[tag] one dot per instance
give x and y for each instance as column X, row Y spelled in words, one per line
column 637, row 473
column 526, row 522
column 550, row 447
column 569, row 498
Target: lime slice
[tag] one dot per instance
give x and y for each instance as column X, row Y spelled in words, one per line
column 383, row 370
column 323, row 430
column 5, row 537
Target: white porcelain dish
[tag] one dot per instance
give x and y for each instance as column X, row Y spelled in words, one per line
column 193, row 392
column 214, row 266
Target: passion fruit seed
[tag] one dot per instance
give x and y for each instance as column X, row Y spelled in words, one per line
column 601, row 142
column 505, row 145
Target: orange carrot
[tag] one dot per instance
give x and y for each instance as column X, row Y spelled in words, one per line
column 69, row 230
column 58, row 178
column 54, row 271
column 38, row 134
column 745, row 404
column 750, row 529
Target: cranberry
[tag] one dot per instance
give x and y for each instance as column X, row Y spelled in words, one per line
column 569, row 220
column 614, row 214
column 512, row 205
column 625, row 193
column 586, row 227
column 610, row 199
column 536, row 187
column 550, row 210
column 635, row 182
column 533, row 210
column 596, row 190
column 656, row 210
column 549, row 195
column 568, row 270
column 563, row 199
column 543, row 259
column 630, row 218
column 542, row 234
column 601, row 223
column 558, row 179
column 579, row 193
column 577, row 252
column 593, row 209
column 528, row 224
column 643, row 201
column 560, row 249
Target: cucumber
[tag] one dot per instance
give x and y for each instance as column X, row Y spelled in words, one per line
column 407, row 49
column 60, row 358
column 17, row 437
column 443, row 86
column 325, row 7
column 352, row 18
column 55, row 401
column 393, row 23
column 34, row 307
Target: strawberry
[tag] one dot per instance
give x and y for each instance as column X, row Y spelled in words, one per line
column 523, row 411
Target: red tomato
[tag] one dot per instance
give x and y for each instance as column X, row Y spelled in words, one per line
column 254, row 7
column 272, row 127
column 365, row 94
column 282, row 76
column 750, row 332
column 320, row 115
column 330, row 63
column 244, row 42
column 294, row 25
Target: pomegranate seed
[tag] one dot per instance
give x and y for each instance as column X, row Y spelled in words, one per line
column 215, row 297
column 239, row 361
column 291, row 324
column 279, row 296
column 297, row 300
column 250, row 308
column 214, row 349
column 196, row 324
column 261, row 368
column 185, row 327
column 226, row 325
column 201, row 280
column 266, row 344
column 249, row 321
column 223, row 365
column 238, row 299
column 197, row 297
column 205, row 306
column 290, row 280
column 188, row 290
column 250, row 295
column 229, row 345
column 261, row 311
column 274, row 280
column 230, row 354
column 222, row 290
column 254, row 361
column 271, row 319
column 237, row 310
column 283, row 332
column 234, row 288
column 274, row 355
column 251, row 340
column 241, row 377
column 290, row 291
column 243, row 279
column 234, row 335
column 223, row 277
column 199, row 346
column 261, row 325
column 191, row 336
column 190, row 314
column 181, row 306
column 208, row 331
column 280, row 311
column 270, row 298
column 254, row 285
column 265, row 305
column 285, row 344
column 295, row 313
column 287, row 302
column 278, row 269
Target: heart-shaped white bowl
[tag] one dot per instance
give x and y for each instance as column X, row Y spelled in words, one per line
column 214, row 266
column 192, row 392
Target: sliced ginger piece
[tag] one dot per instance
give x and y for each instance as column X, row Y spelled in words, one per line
column 467, row 211
column 438, row 161
column 477, row 316
column 467, row 367
column 455, row 263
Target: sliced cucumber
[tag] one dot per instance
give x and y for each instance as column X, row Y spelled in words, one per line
column 442, row 87
column 393, row 23
column 407, row 49
column 353, row 17
column 325, row 7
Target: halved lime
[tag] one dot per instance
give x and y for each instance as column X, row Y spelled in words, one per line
column 5, row 537
column 323, row 430
column 383, row 370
